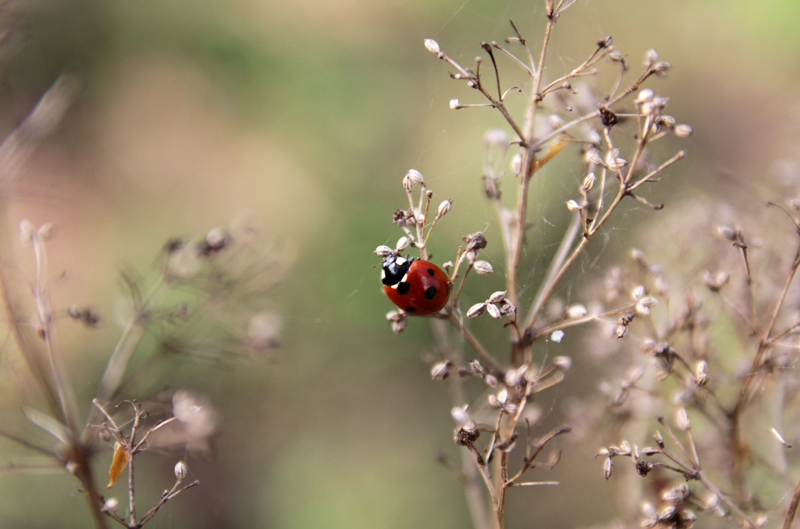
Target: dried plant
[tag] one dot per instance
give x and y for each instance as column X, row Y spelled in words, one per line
column 206, row 299
column 723, row 348
column 614, row 128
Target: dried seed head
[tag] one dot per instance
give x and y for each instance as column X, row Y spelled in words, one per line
column 412, row 178
column 555, row 121
column 683, row 130
column 491, row 380
column 494, row 402
column 395, row 315
column 475, row 242
column 659, row 439
column 399, row 325
column 476, row 368
column 726, row 232
column 557, row 336
column 638, row 292
column 180, row 471
column 45, row 231
column 573, row 205
column 650, row 514
column 701, row 376
column 643, row 305
column 605, row 42
column 483, row 268
column 650, row 58
column 676, row 495
column 588, row 182
column 111, row 505
column 688, row 519
column 508, row 309
column 645, row 96
column 216, row 239
column 616, row 56
column 516, row 163
column 660, row 285
column 608, row 468
column 104, row 435
column 444, row 208
column 432, row 46
column 25, row 231
column 621, row 331
column 564, row 363
column 475, row 310
column 441, row 370
column 682, row 420
column 667, row 514
column 666, row 122
column 576, row 311
column 497, row 297
column 514, row 377
column 592, row 156
column 493, row 311
column 454, row 104
column 402, row 244
column 661, row 67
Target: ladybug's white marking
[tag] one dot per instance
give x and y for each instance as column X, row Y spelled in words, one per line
column 405, row 279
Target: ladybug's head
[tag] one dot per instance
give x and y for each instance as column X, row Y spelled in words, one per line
column 394, row 268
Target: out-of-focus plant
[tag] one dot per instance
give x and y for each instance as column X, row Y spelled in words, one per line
column 206, row 299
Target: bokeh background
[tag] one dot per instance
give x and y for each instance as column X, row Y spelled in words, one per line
column 305, row 115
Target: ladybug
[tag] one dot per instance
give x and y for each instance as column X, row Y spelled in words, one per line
column 418, row 287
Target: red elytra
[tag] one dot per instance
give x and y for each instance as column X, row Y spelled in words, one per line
column 418, row 287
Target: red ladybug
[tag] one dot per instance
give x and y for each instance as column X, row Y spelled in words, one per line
column 418, row 287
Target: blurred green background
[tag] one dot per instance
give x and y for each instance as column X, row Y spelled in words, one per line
column 305, row 116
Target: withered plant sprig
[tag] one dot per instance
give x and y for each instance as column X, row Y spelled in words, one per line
column 597, row 130
column 221, row 279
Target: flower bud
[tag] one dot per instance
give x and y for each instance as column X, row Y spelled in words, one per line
column 475, row 310
column 440, row 371
column 454, row 104
column 432, row 46
column 683, row 130
column 682, row 420
column 180, row 471
column 497, row 297
column 589, row 181
column 412, row 178
column 384, row 251
column 444, row 208
column 608, row 468
column 564, row 363
column 576, row 311
column 516, row 163
column 483, row 268
column 645, row 96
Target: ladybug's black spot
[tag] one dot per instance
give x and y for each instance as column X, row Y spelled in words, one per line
column 430, row 272
column 403, row 287
column 430, row 293
column 411, row 309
